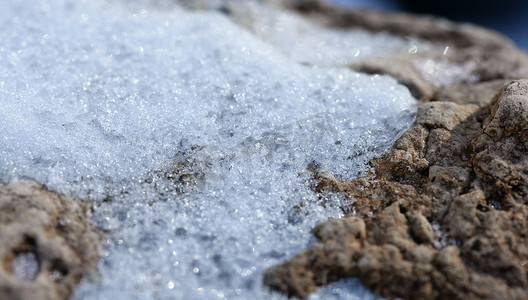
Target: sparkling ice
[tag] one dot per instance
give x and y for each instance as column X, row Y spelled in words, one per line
column 193, row 135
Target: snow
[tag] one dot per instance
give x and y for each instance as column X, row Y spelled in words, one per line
column 25, row 266
column 311, row 43
column 441, row 72
column 193, row 135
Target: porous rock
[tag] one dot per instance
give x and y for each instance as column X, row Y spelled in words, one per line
column 46, row 243
column 473, row 188
column 444, row 211
column 501, row 150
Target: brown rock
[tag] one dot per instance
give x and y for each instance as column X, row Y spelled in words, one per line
column 405, row 162
column 46, row 243
column 444, row 115
column 324, row 262
column 480, row 93
column 501, row 151
column 461, row 166
column 421, row 229
column 402, row 68
column 444, row 213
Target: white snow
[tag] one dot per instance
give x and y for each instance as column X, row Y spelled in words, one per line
column 192, row 135
column 25, row 266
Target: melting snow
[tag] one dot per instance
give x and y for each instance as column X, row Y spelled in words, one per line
column 192, row 135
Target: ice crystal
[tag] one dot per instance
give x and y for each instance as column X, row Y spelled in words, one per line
column 196, row 137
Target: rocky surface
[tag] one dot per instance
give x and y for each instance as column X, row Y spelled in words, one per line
column 205, row 186
column 443, row 214
column 46, row 243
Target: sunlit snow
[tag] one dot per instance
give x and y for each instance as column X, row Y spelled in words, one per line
column 193, row 136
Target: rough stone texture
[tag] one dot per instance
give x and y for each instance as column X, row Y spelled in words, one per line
column 466, row 174
column 444, row 212
column 443, row 215
column 51, row 228
column 501, row 150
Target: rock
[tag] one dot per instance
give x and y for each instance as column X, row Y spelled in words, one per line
column 421, row 229
column 402, row 68
column 480, row 93
column 325, row 261
column 479, row 201
column 501, row 150
column 46, row 243
column 442, row 215
column 445, row 115
column 463, row 167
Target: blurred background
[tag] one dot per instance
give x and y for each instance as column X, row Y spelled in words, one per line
column 510, row 17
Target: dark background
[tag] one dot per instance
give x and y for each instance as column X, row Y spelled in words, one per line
column 510, row 17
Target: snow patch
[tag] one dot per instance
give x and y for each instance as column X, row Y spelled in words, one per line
column 192, row 135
